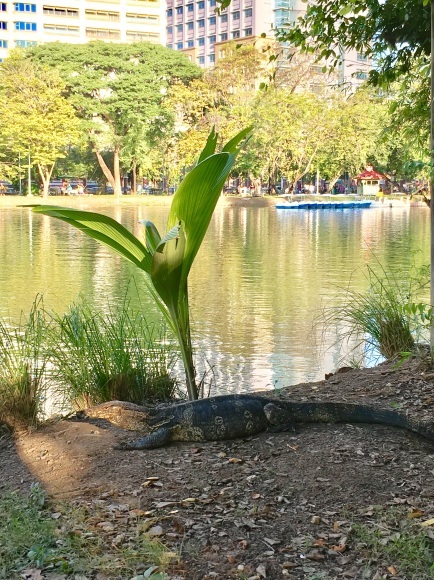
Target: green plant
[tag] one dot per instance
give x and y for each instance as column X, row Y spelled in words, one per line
column 393, row 538
column 70, row 543
column 115, row 354
column 23, row 362
column 385, row 318
column 167, row 260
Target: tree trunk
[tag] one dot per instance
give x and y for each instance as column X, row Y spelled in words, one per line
column 117, row 172
column 45, row 175
column 113, row 178
column 134, row 172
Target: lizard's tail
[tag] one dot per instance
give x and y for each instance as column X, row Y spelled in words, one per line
column 352, row 413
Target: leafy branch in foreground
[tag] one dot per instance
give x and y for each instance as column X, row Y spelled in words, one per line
column 167, row 260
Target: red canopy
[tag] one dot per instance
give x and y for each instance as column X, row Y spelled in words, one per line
column 370, row 174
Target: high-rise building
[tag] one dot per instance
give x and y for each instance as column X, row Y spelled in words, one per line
column 194, row 27
column 28, row 23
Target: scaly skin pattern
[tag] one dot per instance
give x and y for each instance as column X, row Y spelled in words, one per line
column 237, row 416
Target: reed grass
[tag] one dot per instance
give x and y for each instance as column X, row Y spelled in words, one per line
column 81, row 358
column 111, row 355
column 23, row 364
column 384, row 319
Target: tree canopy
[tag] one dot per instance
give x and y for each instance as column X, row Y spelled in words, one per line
column 119, row 90
column 36, row 120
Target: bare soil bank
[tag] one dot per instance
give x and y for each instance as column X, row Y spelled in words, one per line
column 269, row 506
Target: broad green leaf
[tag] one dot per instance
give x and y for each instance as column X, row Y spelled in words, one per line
column 152, row 236
column 210, row 146
column 232, row 145
column 195, row 201
column 166, row 271
column 105, row 230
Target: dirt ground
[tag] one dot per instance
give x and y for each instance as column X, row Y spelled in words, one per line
column 269, row 506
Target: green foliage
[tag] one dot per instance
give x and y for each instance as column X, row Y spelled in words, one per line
column 110, row 355
column 391, row 536
column 80, row 358
column 70, row 545
column 167, row 260
column 35, row 116
column 23, row 363
column 386, row 317
column 119, row 91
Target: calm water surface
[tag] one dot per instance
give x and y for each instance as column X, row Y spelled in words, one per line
column 258, row 285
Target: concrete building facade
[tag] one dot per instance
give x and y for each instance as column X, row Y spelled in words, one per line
column 28, row 23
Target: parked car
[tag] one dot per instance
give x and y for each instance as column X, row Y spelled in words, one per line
column 6, row 188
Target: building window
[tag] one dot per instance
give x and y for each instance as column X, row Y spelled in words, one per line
column 223, row 18
column 236, row 15
column 248, row 32
column 190, row 43
column 3, row 7
column 103, row 33
column 236, row 34
column 25, row 43
column 3, row 43
column 169, row 45
column 22, row 7
column 56, row 11
column 361, row 75
column 179, row 27
column 61, row 29
column 169, row 13
column 179, row 9
column 201, row 41
column 3, row 25
column 223, row 36
column 102, row 15
column 169, row 30
column 212, row 20
column 212, row 38
column 211, row 58
column 211, row 3
column 248, row 13
column 141, row 18
column 134, row 35
column 31, row 26
column 190, row 8
column 201, row 5
column 201, row 60
column 362, row 57
column 201, row 23
column 190, row 26
column 179, row 45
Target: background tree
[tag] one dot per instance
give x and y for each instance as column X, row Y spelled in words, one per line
column 36, row 119
column 119, row 90
column 352, row 136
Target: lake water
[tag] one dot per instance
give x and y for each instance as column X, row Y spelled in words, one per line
column 257, row 288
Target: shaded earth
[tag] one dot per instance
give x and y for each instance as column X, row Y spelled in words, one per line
column 269, row 506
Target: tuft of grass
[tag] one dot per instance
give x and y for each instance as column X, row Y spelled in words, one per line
column 69, row 542
column 111, row 355
column 384, row 319
column 23, row 363
column 392, row 539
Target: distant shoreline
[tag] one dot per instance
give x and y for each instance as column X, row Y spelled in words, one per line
column 95, row 201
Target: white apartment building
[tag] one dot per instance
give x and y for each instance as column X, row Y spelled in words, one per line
column 28, row 23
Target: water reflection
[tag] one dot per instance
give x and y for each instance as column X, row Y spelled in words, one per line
column 257, row 288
